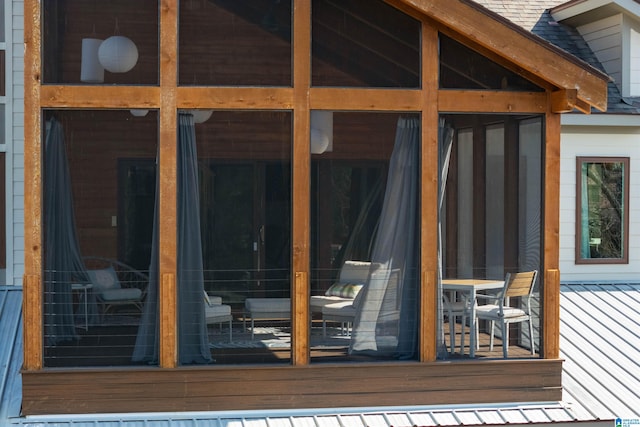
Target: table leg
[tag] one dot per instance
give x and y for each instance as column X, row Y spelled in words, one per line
column 86, row 310
column 472, row 323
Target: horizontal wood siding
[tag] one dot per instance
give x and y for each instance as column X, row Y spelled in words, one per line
column 249, row 388
column 15, row 152
column 605, row 39
column 594, row 141
column 634, row 63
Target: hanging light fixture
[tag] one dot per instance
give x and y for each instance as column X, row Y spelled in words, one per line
column 118, row 54
column 321, row 131
column 201, row 116
column 138, row 112
column 91, row 71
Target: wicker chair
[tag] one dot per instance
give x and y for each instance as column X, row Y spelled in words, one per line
column 115, row 283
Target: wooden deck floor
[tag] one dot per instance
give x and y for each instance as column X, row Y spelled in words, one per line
column 484, row 351
column 113, row 346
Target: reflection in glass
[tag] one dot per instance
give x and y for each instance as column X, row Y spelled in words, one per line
column 235, row 42
column 603, row 188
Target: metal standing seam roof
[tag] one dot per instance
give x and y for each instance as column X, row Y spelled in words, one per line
column 10, row 352
column 600, row 342
column 442, row 415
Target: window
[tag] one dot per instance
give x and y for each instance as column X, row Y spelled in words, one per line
column 602, row 209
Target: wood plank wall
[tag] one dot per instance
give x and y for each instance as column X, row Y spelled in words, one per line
column 96, row 140
column 314, row 386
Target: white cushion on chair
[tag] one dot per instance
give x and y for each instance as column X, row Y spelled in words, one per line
column 104, row 279
column 216, row 310
column 354, row 272
column 120, row 294
column 268, row 305
column 212, row 300
column 344, row 309
column 491, row 310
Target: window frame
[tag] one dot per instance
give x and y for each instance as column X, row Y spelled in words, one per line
column 624, row 259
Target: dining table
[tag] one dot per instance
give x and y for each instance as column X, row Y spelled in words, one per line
column 470, row 287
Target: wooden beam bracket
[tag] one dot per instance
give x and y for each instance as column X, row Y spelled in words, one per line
column 564, row 100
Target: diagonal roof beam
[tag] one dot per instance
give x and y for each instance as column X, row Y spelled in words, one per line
column 526, row 51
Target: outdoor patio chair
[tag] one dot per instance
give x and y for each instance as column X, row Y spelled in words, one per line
column 516, row 285
column 115, row 283
column 216, row 312
column 455, row 309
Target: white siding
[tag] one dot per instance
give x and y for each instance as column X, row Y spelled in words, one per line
column 14, row 23
column 604, row 38
column 606, row 142
column 634, row 63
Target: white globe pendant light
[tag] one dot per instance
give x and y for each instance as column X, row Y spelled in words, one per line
column 321, row 131
column 319, row 141
column 118, row 54
column 201, row 116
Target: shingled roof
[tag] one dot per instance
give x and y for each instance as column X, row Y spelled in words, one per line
column 535, row 16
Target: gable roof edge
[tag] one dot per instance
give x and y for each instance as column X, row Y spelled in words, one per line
column 574, row 8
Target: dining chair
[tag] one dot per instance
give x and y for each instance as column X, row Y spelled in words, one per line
column 516, row 285
column 455, row 309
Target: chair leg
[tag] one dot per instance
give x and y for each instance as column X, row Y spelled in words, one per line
column 462, row 325
column 230, row 330
column 533, row 346
column 477, row 332
column 452, row 343
column 491, row 335
column 324, row 328
column 505, row 339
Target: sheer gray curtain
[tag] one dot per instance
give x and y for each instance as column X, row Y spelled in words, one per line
column 62, row 260
column 147, row 341
column 445, row 143
column 193, row 344
column 387, row 314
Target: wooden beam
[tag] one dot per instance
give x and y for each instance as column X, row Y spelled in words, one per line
column 563, row 100
column 235, row 97
column 365, row 99
column 255, row 387
column 551, row 315
column 168, row 265
column 32, row 281
column 88, row 97
column 429, row 173
column 301, row 181
column 490, row 101
column 518, row 46
column 583, row 106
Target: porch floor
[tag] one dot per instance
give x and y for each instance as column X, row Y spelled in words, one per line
column 113, row 346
